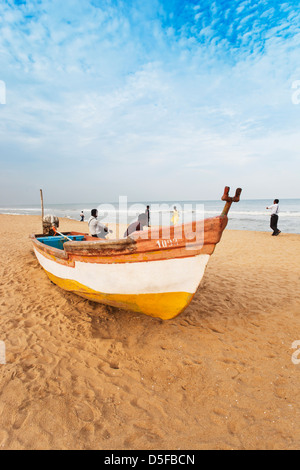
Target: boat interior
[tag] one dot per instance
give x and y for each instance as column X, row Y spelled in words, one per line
column 59, row 241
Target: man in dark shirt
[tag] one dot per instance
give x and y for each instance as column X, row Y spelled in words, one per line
column 137, row 226
column 147, row 212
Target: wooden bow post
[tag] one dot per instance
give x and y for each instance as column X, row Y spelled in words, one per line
column 229, row 200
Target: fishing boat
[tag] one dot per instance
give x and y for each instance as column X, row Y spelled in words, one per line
column 156, row 271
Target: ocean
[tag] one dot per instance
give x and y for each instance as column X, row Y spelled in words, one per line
column 246, row 215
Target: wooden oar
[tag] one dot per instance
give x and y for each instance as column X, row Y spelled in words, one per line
column 55, row 231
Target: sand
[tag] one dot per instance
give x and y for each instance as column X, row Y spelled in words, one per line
column 80, row 375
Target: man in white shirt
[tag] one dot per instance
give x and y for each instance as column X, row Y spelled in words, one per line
column 97, row 229
column 274, row 217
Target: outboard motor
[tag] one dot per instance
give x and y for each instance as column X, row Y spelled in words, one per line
column 50, row 221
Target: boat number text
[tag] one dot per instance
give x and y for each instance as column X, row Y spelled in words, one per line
column 167, row 243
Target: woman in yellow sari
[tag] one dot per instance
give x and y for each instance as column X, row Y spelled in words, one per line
column 175, row 217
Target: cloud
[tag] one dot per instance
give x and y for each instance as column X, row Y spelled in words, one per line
column 111, row 93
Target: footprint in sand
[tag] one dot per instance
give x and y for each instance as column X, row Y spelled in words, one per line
column 21, row 418
column 84, row 412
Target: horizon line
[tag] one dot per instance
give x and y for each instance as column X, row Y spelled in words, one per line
column 152, row 202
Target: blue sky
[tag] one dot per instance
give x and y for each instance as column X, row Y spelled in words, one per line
column 155, row 100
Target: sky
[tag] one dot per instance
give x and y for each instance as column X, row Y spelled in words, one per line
column 153, row 100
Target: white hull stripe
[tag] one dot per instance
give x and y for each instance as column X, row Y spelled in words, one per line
column 173, row 275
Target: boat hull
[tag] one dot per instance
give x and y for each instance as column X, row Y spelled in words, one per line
column 159, row 288
column 155, row 272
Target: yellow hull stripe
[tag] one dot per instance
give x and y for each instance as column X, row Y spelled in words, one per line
column 162, row 305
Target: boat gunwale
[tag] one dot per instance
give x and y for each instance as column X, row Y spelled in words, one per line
column 56, row 252
column 112, row 248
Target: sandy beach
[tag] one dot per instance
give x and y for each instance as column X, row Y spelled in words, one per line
column 80, row 375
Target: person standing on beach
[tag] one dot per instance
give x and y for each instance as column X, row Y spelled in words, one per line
column 137, row 226
column 175, row 216
column 274, row 217
column 147, row 212
column 81, row 216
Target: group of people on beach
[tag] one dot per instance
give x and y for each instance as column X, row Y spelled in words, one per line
column 99, row 230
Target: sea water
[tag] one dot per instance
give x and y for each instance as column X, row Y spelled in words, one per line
column 246, row 215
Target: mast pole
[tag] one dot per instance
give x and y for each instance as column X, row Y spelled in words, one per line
column 42, row 203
